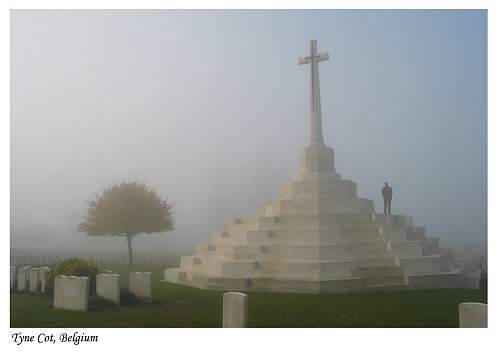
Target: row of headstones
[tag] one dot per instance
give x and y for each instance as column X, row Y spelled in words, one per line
column 28, row 278
column 72, row 292
column 234, row 312
column 48, row 260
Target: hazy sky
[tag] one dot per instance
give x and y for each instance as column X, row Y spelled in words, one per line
column 210, row 108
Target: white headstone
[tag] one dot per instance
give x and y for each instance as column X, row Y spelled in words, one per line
column 13, row 277
column 34, row 279
column 473, row 315
column 71, row 293
column 234, row 310
column 140, row 285
column 471, row 280
column 43, row 270
column 23, row 278
column 107, row 287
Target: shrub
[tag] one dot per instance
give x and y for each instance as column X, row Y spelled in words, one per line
column 72, row 267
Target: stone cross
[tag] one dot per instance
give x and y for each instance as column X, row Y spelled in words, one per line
column 313, row 59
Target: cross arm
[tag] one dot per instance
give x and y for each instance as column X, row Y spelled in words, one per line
column 323, row 57
column 307, row 59
column 304, row 60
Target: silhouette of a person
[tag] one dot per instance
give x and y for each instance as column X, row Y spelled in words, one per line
column 387, row 195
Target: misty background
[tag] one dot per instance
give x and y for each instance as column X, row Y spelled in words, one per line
column 210, row 109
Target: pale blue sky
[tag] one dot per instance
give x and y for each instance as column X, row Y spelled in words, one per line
column 211, row 108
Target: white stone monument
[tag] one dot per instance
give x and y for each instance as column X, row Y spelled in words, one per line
column 43, row 270
column 23, row 278
column 318, row 235
column 234, row 310
column 71, row 293
column 107, row 287
column 473, row 315
column 140, row 285
column 34, row 279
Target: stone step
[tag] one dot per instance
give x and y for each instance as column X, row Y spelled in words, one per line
column 374, row 271
column 354, row 218
column 220, row 235
column 421, row 264
column 415, row 233
column 376, row 262
column 240, row 225
column 361, row 231
column 377, row 281
column 406, row 248
column 277, row 251
column 374, row 219
column 384, row 288
column 367, row 247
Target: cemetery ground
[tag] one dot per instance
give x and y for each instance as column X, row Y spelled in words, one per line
column 182, row 306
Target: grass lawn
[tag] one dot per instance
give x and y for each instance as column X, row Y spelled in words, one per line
column 181, row 306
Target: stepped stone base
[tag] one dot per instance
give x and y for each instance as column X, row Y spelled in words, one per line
column 318, row 236
column 449, row 279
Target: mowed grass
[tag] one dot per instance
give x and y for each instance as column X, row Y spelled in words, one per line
column 181, row 306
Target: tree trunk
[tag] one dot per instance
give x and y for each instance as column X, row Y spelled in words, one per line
column 129, row 243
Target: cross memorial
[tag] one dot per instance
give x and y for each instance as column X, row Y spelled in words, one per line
column 313, row 59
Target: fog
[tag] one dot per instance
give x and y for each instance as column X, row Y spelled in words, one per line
column 210, row 109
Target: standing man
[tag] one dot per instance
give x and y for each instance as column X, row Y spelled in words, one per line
column 387, row 194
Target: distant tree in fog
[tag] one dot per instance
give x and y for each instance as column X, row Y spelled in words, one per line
column 127, row 210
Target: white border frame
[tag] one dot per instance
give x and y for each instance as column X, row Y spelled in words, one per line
column 267, row 339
